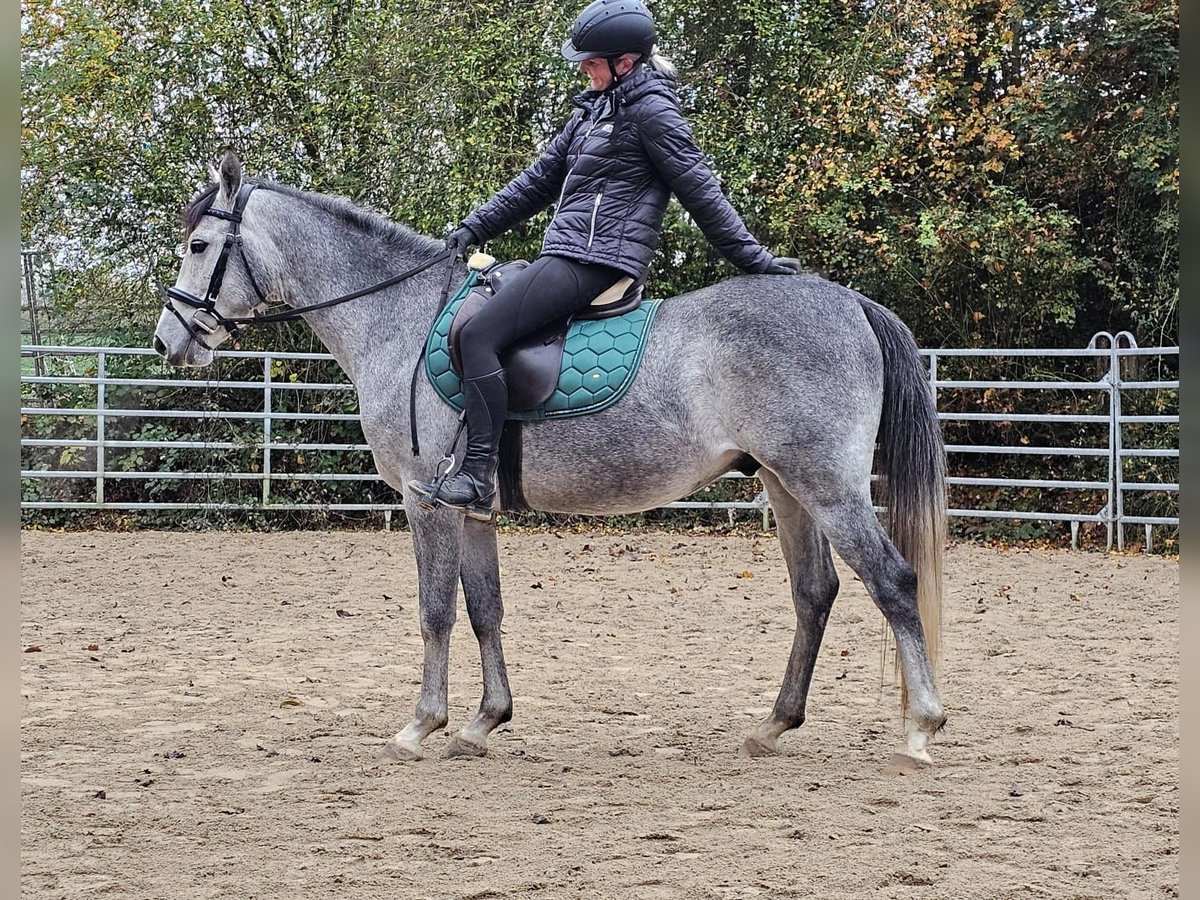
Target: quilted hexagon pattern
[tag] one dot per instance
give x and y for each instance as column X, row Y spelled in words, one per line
column 600, row 359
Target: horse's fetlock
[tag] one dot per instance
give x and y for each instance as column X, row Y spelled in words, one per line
column 495, row 709
column 432, row 719
column 791, row 720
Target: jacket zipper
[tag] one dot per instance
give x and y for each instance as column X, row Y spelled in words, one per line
column 595, row 209
column 567, row 177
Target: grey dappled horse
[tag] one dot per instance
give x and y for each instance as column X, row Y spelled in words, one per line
column 795, row 373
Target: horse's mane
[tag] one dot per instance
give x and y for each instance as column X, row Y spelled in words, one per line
column 366, row 221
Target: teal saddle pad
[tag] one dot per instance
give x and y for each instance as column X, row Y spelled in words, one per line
column 600, row 359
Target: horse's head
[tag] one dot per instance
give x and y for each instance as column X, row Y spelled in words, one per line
column 220, row 275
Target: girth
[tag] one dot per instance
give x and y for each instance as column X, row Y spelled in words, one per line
column 534, row 362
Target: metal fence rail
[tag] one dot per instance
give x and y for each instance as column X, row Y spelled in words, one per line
column 1119, row 451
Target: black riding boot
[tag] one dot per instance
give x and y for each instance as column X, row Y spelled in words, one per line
column 473, row 487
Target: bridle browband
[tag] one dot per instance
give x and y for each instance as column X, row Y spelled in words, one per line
column 207, row 318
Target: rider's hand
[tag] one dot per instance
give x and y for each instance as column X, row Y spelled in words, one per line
column 784, row 265
column 460, row 239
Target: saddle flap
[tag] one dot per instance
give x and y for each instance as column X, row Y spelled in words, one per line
column 533, row 365
column 472, row 304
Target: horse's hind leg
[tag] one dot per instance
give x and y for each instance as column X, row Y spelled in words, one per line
column 437, row 541
column 860, row 540
column 814, row 587
column 481, row 585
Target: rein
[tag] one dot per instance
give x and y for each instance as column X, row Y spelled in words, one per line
column 207, row 318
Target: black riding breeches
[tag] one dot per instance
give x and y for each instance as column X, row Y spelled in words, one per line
column 551, row 288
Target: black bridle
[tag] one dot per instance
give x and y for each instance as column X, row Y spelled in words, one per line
column 207, row 318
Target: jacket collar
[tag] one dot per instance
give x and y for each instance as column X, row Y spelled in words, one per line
column 637, row 84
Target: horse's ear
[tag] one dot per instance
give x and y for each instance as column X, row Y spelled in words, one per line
column 230, row 175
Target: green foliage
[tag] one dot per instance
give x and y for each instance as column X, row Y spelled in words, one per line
column 1000, row 173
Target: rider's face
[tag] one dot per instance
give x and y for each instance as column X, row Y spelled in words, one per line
column 598, row 72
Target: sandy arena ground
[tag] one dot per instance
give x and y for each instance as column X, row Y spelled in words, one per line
column 202, row 718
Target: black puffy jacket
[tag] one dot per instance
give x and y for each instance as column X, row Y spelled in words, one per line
column 612, row 170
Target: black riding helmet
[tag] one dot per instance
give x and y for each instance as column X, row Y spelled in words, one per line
column 609, row 29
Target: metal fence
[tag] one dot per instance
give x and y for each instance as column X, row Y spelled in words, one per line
column 1120, row 458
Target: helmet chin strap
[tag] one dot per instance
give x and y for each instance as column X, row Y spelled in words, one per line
column 612, row 69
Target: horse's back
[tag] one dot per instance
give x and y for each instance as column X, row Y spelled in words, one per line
column 766, row 366
column 784, row 313
column 797, row 334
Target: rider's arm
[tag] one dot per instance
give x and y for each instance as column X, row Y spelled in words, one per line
column 527, row 194
column 668, row 143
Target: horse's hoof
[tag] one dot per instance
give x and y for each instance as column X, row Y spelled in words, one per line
column 755, row 746
column 461, row 747
column 907, row 764
column 397, row 751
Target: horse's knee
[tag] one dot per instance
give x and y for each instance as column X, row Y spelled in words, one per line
column 437, row 621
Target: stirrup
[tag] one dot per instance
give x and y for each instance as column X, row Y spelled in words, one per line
column 428, row 494
column 429, row 501
column 481, row 507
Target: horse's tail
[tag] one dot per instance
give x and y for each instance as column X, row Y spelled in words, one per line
column 912, row 463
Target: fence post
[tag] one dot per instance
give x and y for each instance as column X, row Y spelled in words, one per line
column 763, row 501
column 101, row 373
column 27, row 257
column 266, row 458
column 1113, row 404
column 1119, row 438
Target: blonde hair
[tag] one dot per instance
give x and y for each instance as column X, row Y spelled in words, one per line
column 660, row 63
column 655, row 61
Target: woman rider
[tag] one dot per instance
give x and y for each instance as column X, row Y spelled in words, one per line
column 611, row 171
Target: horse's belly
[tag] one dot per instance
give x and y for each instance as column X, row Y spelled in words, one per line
column 563, row 480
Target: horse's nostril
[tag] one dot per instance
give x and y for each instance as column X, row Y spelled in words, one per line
column 159, row 347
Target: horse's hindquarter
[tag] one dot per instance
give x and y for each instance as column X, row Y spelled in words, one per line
column 777, row 367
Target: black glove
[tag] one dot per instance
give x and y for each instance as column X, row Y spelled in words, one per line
column 460, row 239
column 784, row 265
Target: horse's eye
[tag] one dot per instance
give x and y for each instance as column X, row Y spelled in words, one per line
column 198, row 246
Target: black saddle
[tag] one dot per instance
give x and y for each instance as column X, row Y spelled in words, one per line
column 534, row 362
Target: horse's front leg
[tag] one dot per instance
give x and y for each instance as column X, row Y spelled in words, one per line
column 481, row 585
column 437, row 543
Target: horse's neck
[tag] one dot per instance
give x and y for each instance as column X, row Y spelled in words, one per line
column 387, row 325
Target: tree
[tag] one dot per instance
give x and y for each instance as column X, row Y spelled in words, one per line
column 999, row 172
